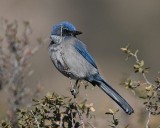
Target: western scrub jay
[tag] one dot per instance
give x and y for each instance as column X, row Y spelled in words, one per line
column 71, row 58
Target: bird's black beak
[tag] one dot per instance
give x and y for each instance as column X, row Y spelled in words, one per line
column 76, row 33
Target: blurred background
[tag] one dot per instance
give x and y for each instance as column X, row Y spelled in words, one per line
column 107, row 25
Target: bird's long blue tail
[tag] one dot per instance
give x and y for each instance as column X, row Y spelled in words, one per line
column 97, row 80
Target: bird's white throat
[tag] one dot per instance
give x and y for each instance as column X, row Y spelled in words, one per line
column 56, row 39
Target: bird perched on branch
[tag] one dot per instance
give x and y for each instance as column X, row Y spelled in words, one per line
column 71, row 57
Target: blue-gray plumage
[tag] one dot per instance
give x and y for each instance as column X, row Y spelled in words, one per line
column 71, row 58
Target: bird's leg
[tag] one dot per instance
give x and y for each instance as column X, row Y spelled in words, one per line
column 75, row 89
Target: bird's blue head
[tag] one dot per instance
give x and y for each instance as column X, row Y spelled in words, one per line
column 64, row 29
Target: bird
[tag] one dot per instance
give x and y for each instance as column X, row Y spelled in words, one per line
column 71, row 57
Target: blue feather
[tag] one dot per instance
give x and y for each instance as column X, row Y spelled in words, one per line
column 80, row 47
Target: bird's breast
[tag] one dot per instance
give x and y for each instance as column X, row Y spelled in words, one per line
column 57, row 56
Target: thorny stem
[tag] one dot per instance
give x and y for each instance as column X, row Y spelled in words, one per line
column 36, row 121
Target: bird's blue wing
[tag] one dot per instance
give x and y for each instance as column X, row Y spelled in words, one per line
column 81, row 48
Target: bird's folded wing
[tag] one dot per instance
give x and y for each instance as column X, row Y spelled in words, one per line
column 81, row 48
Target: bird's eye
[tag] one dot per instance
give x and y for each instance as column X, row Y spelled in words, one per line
column 66, row 30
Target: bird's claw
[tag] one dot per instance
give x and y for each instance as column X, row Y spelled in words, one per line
column 75, row 90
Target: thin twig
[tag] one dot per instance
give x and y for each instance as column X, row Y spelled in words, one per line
column 80, row 115
column 61, row 121
column 36, row 121
column 73, row 124
column 147, row 124
column 145, row 78
column 144, row 75
column 137, row 60
column 91, row 124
